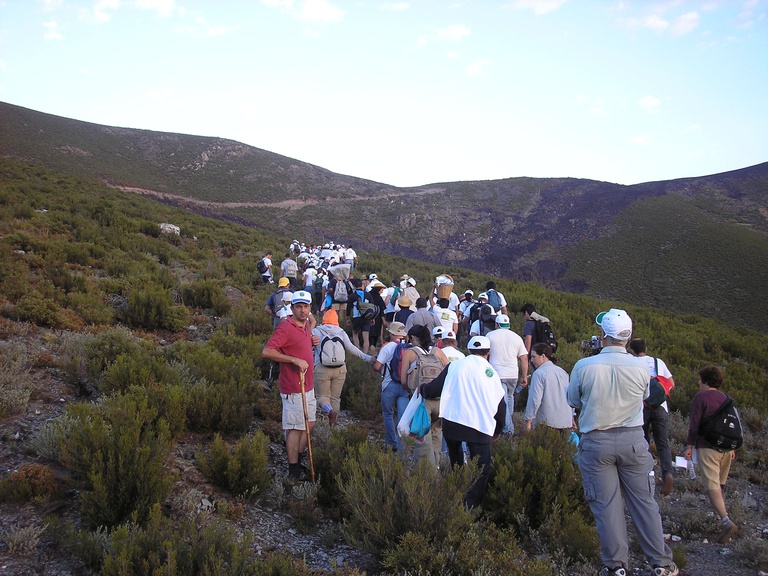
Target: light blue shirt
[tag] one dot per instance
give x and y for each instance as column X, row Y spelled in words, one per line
column 547, row 403
column 609, row 388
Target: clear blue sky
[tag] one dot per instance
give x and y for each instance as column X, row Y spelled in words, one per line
column 410, row 93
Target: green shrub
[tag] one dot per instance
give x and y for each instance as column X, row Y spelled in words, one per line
column 247, row 320
column 46, row 442
column 536, row 488
column 36, row 308
column 91, row 308
column 16, row 382
column 329, row 456
column 206, row 294
column 242, row 470
column 383, row 500
column 153, row 308
column 121, row 449
column 140, row 367
column 362, row 390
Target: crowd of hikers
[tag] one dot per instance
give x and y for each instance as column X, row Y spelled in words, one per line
column 451, row 366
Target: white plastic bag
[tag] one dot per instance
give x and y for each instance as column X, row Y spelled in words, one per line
column 404, row 425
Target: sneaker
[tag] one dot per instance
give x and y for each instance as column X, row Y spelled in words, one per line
column 332, row 417
column 666, row 486
column 605, row 571
column 728, row 530
column 670, row 570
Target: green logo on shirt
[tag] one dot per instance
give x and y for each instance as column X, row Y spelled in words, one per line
column 489, row 372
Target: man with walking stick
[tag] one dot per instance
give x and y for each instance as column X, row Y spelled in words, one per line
column 291, row 346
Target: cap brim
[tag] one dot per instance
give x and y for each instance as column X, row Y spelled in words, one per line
column 599, row 318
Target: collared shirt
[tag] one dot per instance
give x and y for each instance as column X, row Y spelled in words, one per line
column 609, row 388
column 293, row 340
column 547, row 403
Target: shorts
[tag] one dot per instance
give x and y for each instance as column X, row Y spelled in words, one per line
column 293, row 410
column 713, row 467
column 360, row 325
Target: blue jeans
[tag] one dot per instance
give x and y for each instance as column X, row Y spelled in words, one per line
column 509, row 385
column 393, row 397
column 613, row 463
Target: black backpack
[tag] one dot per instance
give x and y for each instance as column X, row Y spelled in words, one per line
column 545, row 334
column 261, row 266
column 723, row 429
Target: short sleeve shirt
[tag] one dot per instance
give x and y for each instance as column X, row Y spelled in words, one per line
column 293, row 340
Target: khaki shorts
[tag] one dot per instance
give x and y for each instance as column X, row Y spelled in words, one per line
column 293, row 410
column 713, row 467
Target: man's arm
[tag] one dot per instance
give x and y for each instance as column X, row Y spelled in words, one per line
column 276, row 356
column 523, row 370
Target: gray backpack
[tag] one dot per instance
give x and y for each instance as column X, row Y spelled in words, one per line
column 332, row 353
column 428, row 367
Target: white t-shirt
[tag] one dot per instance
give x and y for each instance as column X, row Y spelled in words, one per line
column 663, row 371
column 446, row 316
column 310, row 274
column 267, row 263
column 452, row 353
column 350, row 254
column 506, row 348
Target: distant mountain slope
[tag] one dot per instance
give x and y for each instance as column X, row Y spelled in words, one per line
column 575, row 234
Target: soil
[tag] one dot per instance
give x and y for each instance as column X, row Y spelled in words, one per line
column 275, row 530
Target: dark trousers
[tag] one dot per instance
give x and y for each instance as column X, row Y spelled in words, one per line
column 656, row 422
column 474, row 496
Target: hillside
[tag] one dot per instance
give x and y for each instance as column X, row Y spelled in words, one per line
column 578, row 235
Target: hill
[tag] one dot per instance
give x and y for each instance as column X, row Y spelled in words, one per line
column 679, row 245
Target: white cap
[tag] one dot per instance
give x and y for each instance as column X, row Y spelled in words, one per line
column 615, row 323
column 449, row 335
column 287, row 296
column 438, row 331
column 479, row 343
column 301, row 297
column 502, row 320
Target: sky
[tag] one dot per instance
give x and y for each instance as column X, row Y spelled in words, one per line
column 414, row 92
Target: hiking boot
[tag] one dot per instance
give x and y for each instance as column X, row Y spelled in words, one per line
column 670, row 570
column 332, row 417
column 666, row 486
column 728, row 530
column 605, row 571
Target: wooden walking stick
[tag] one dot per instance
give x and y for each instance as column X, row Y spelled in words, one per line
column 306, row 427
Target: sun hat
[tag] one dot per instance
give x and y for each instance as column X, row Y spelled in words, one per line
column 397, row 329
column 287, row 296
column 412, row 281
column 301, row 297
column 615, row 323
column 283, row 282
column 404, row 302
column 479, row 343
column 375, row 285
column 502, row 320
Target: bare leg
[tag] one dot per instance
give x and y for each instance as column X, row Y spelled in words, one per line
column 717, row 501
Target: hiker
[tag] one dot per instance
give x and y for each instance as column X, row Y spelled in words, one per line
column 495, row 298
column 421, row 346
column 291, row 346
column 405, row 310
column 275, row 301
column 361, row 327
column 656, row 420
column 394, row 397
column 285, row 309
column 444, row 314
column 350, row 257
column 330, row 368
column 409, row 289
column 450, row 346
column 265, row 269
column 472, row 409
column 510, row 359
column 289, row 269
column 547, row 403
column 390, row 299
column 609, row 389
column 714, row 465
column 422, row 317
column 466, row 303
column 485, row 323
column 374, row 295
column 529, row 329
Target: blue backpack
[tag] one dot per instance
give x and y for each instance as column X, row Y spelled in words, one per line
column 397, row 361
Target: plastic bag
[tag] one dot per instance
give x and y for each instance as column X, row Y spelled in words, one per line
column 404, row 425
column 421, row 423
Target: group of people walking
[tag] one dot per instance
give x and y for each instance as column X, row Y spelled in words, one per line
column 470, row 398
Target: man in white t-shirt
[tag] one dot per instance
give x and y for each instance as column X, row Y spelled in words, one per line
column 449, row 346
column 394, row 396
column 350, row 257
column 509, row 357
column 266, row 276
column 656, row 420
column 446, row 316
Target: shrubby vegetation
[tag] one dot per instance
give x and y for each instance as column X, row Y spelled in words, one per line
column 145, row 330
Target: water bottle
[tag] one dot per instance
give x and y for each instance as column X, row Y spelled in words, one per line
column 652, row 481
column 691, row 471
